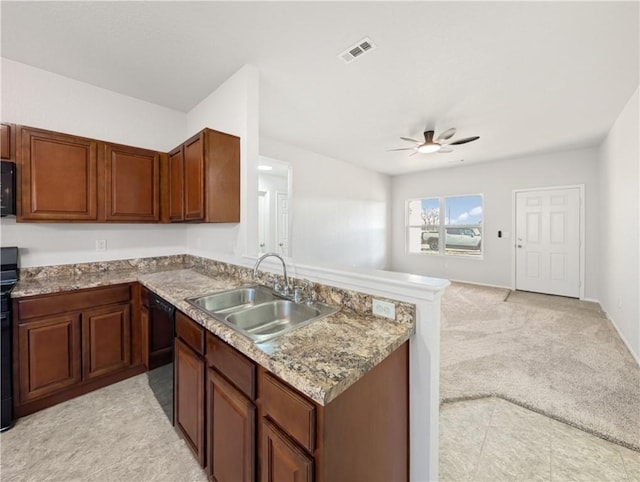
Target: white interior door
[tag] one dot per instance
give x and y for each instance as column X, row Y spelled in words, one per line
column 263, row 221
column 548, row 241
column 282, row 216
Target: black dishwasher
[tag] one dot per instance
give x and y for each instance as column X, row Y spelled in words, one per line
column 161, row 336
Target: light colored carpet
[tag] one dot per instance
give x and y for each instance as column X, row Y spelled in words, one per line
column 559, row 357
column 118, row 433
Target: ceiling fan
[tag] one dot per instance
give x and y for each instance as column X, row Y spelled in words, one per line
column 440, row 144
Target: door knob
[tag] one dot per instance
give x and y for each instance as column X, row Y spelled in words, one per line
column 519, row 246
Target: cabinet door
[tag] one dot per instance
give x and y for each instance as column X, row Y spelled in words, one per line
column 176, row 185
column 132, row 184
column 231, row 431
column 281, row 459
column 189, row 398
column 58, row 177
column 223, row 177
column 194, row 178
column 5, row 141
column 106, row 340
column 49, row 355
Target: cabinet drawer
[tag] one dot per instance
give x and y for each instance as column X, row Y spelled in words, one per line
column 290, row 410
column 190, row 332
column 236, row 367
column 37, row 306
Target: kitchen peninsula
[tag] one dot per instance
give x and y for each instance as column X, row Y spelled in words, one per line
column 332, row 369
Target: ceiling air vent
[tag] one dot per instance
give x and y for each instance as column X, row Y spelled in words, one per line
column 365, row 45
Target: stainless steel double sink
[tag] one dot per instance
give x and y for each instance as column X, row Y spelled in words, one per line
column 258, row 313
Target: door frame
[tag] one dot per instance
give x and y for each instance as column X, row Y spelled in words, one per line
column 514, row 193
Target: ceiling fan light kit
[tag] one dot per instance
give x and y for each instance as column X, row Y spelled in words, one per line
column 441, row 144
column 428, row 148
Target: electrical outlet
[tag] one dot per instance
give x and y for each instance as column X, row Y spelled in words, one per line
column 384, row 308
column 101, row 244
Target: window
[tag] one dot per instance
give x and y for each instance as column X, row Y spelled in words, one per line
column 457, row 219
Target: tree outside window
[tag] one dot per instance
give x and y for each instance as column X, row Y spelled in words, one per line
column 457, row 219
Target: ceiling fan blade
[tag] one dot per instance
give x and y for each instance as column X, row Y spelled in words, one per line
column 463, row 141
column 402, row 149
column 410, row 140
column 428, row 137
column 448, row 134
column 413, row 153
column 444, row 150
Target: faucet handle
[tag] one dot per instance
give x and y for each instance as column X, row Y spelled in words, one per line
column 298, row 295
column 307, row 290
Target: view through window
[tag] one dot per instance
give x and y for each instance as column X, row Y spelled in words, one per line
column 457, row 219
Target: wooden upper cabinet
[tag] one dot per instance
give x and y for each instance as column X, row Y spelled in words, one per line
column 65, row 178
column 222, row 174
column 207, row 189
column 132, row 184
column 176, row 184
column 58, row 176
column 194, row 178
column 5, row 141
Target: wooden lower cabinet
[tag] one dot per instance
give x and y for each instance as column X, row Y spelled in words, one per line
column 281, row 459
column 67, row 344
column 259, row 428
column 230, row 432
column 106, row 340
column 189, row 398
column 49, row 353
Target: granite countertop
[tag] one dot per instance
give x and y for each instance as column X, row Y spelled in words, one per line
column 321, row 359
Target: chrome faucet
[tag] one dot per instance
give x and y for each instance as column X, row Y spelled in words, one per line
column 285, row 290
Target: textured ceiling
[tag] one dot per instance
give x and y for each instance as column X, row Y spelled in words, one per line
column 527, row 77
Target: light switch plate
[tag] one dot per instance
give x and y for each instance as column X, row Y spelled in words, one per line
column 384, row 308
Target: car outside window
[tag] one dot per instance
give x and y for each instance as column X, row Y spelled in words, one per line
column 457, row 219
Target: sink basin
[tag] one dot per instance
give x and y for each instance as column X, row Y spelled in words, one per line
column 233, row 300
column 276, row 318
column 259, row 314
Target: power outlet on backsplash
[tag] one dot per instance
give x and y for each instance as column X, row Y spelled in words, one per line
column 384, row 308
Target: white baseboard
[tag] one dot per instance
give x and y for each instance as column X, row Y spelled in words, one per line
column 624, row 340
column 592, row 300
column 480, row 284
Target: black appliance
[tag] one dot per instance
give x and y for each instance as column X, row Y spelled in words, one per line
column 161, row 336
column 8, row 279
column 7, row 188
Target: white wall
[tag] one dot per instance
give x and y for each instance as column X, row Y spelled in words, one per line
column 39, row 98
column 339, row 210
column 496, row 180
column 620, row 235
column 232, row 108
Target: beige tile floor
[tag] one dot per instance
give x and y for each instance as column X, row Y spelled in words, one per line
column 118, row 433
column 491, row 439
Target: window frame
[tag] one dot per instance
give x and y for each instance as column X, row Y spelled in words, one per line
column 442, row 250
